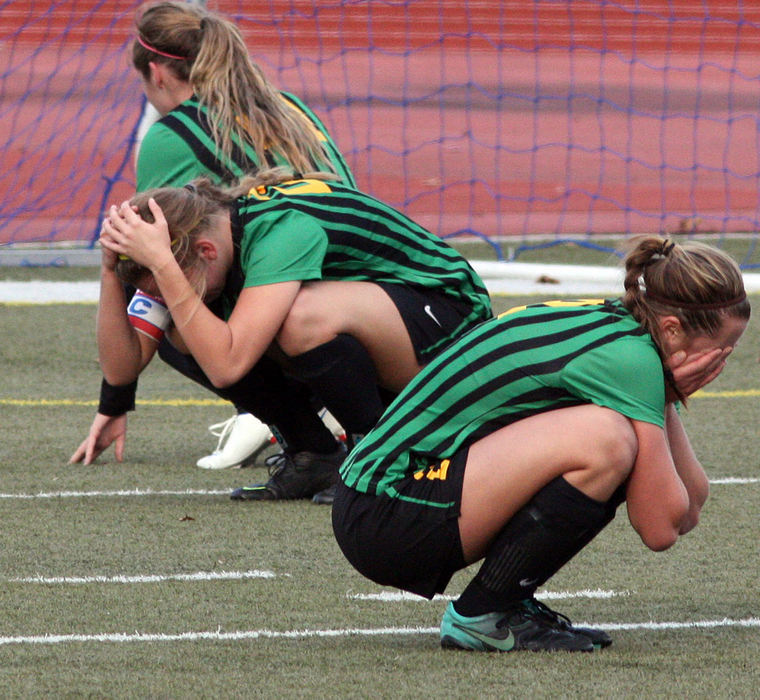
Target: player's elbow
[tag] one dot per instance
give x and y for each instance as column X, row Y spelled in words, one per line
column 660, row 522
column 660, row 540
column 224, row 376
column 222, row 380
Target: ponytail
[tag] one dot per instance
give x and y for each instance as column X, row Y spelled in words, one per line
column 209, row 52
column 698, row 284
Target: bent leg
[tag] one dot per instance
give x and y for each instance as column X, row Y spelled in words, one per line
column 324, row 310
column 591, row 447
column 267, row 394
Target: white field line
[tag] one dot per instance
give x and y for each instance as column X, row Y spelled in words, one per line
column 729, row 480
column 122, row 637
column 404, row 596
column 148, row 578
column 120, row 493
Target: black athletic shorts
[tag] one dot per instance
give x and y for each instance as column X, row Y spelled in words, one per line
column 432, row 319
column 404, row 543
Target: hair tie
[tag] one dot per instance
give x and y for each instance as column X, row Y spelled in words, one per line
column 204, row 24
column 666, row 247
column 191, row 187
column 146, row 45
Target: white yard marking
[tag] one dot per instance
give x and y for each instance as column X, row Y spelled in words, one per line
column 121, row 637
column 118, row 494
column 403, row 596
column 728, row 480
column 147, row 578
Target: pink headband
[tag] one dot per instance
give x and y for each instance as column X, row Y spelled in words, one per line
column 696, row 306
column 146, row 45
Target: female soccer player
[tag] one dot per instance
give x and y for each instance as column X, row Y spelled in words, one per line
column 516, row 444
column 197, row 73
column 347, row 294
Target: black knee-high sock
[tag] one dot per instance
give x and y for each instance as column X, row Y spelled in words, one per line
column 342, row 374
column 283, row 404
column 537, row 542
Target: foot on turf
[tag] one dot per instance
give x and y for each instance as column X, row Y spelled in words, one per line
column 326, row 496
column 519, row 628
column 294, row 476
column 599, row 638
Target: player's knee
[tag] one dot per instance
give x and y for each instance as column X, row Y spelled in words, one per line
column 306, row 325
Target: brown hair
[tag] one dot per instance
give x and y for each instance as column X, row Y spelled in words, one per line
column 698, row 284
column 189, row 212
column 209, row 52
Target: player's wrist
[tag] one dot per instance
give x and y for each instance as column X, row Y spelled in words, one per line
column 116, row 400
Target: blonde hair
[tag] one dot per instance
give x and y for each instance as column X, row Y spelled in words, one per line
column 698, row 284
column 189, row 215
column 209, row 52
column 189, row 212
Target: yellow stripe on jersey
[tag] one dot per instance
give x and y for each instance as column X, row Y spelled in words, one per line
column 555, row 303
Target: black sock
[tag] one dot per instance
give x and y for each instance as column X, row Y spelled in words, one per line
column 342, row 374
column 537, row 542
column 285, row 405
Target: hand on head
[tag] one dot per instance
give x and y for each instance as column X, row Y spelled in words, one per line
column 125, row 232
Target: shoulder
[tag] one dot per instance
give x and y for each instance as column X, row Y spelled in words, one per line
column 164, row 159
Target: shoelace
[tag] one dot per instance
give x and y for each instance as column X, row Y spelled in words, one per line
column 275, row 463
column 542, row 610
column 222, row 431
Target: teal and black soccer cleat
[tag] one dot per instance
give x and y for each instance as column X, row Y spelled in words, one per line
column 599, row 638
column 520, row 628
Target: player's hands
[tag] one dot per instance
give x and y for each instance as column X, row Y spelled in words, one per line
column 108, row 258
column 125, row 232
column 104, row 431
column 692, row 372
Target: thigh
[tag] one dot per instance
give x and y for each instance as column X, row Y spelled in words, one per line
column 410, row 541
column 322, row 310
column 585, row 444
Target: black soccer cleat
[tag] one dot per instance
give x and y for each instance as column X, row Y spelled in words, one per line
column 291, row 477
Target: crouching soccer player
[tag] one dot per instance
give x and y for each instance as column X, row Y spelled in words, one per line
column 517, row 443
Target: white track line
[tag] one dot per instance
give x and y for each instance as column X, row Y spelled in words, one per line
column 122, row 637
column 403, row 596
column 148, row 578
column 221, row 492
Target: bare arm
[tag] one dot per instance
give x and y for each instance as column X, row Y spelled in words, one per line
column 225, row 350
column 688, row 468
column 657, row 500
column 122, row 351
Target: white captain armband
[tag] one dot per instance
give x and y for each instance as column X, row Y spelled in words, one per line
column 149, row 315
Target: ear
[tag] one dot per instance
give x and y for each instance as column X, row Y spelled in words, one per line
column 672, row 332
column 157, row 76
column 207, row 249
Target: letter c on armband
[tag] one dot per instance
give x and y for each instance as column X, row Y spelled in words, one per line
column 149, row 315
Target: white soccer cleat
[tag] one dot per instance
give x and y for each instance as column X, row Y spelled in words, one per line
column 241, row 438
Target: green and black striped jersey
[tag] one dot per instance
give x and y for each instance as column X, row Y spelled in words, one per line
column 314, row 230
column 525, row 362
column 180, row 147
